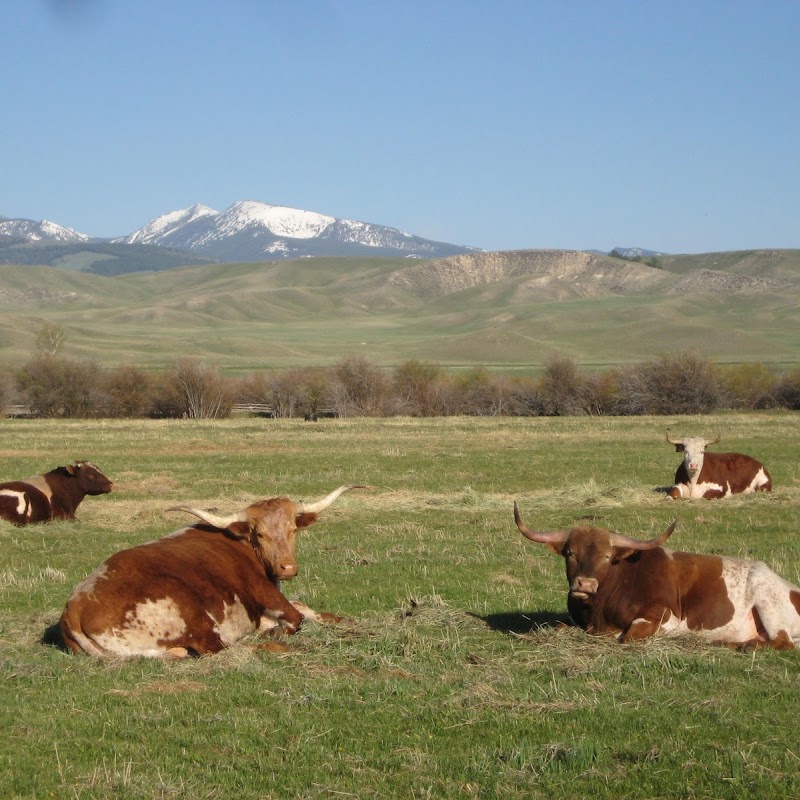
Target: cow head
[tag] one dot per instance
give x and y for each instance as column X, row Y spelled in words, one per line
column 89, row 479
column 270, row 526
column 589, row 552
column 693, row 449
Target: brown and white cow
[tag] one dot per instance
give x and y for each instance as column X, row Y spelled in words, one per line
column 197, row 590
column 713, row 475
column 54, row 495
column 634, row 589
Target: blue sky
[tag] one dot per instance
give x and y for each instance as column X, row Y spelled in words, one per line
column 502, row 124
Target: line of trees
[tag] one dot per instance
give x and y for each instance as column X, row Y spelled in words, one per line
column 685, row 382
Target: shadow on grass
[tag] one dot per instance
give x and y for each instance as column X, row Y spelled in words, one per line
column 52, row 637
column 524, row 621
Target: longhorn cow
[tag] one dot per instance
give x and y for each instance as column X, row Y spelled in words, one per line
column 634, row 589
column 197, row 590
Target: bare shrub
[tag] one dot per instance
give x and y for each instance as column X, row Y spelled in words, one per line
column 685, row 382
column 489, row 394
column 360, row 388
column 128, row 392
column 194, row 390
column 56, row 387
column 290, row 393
column 7, row 390
column 416, row 387
column 750, row 386
column 316, row 390
column 528, row 400
column 563, row 387
column 787, row 391
column 601, row 393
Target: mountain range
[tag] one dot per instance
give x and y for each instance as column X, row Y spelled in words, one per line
column 247, row 231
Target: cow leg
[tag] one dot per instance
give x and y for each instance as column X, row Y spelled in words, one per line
column 647, row 625
column 175, row 653
column 320, row 617
column 780, row 642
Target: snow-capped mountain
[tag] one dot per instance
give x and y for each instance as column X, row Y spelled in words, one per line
column 255, row 231
column 43, row 230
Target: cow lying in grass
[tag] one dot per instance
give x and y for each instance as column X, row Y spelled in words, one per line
column 634, row 589
column 198, row 590
column 54, row 495
column 714, row 475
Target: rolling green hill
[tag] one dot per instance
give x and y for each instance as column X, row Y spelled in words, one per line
column 507, row 310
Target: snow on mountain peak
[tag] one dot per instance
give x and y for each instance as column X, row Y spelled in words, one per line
column 166, row 223
column 43, row 230
column 293, row 223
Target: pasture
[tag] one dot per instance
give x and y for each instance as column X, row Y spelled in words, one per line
column 452, row 679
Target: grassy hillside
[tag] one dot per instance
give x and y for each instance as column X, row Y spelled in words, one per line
column 508, row 310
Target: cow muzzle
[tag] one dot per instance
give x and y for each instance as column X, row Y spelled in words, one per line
column 285, row 571
column 583, row 587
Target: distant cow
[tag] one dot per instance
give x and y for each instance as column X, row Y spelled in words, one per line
column 713, row 475
column 54, row 495
column 198, row 590
column 635, row 589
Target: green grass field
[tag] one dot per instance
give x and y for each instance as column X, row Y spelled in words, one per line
column 451, row 680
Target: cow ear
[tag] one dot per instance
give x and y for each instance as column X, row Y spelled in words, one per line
column 241, row 530
column 622, row 554
column 71, row 468
column 304, row 520
column 679, row 448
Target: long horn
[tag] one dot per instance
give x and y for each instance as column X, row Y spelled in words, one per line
column 713, row 441
column 618, row 540
column 212, row 519
column 321, row 505
column 542, row 537
column 673, row 441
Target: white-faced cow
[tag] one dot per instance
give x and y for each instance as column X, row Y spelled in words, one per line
column 198, row 590
column 54, row 495
column 634, row 589
column 713, row 475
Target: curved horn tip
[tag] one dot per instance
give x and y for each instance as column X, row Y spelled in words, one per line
column 210, row 518
column 320, row 505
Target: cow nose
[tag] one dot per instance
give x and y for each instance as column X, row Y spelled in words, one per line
column 586, row 585
column 287, row 570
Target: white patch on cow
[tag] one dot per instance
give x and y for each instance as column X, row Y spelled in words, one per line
column 145, row 628
column 234, row 624
column 758, row 481
column 694, row 489
column 267, row 624
column 752, row 585
column 23, row 505
column 39, row 482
